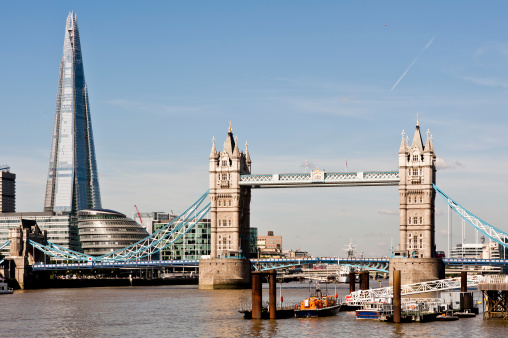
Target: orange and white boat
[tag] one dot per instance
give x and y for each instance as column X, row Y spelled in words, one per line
column 317, row 305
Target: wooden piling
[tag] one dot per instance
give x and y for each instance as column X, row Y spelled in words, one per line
column 273, row 294
column 396, row 296
column 463, row 281
column 257, row 294
column 352, row 281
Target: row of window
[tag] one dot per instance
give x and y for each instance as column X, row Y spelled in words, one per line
column 415, row 220
column 226, row 203
column 415, row 199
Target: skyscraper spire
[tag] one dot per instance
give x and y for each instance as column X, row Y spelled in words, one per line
column 73, row 183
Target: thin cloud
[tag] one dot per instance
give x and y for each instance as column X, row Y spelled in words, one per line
column 441, row 163
column 412, row 63
column 387, row 212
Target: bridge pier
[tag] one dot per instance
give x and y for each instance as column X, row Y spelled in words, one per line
column 224, row 273
column 416, row 270
column 22, row 255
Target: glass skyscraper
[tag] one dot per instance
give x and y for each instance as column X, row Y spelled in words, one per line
column 72, row 183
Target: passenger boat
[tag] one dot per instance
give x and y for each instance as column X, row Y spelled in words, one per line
column 4, row 288
column 317, row 305
column 372, row 313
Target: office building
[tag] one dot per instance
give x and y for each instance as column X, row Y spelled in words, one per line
column 62, row 229
column 72, row 183
column 7, row 190
column 270, row 245
column 192, row 245
column 104, row 231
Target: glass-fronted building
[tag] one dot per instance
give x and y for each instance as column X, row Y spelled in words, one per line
column 192, row 245
column 62, row 229
column 103, row 231
column 73, row 182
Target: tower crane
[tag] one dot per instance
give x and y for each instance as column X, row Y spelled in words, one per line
column 139, row 215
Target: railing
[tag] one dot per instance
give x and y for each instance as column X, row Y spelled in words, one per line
column 363, row 296
column 323, row 178
column 495, row 279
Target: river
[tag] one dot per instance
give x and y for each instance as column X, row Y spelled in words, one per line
column 186, row 311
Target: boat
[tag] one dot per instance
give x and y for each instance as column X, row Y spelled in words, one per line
column 372, row 310
column 465, row 314
column 4, row 288
column 370, row 313
column 317, row 305
column 446, row 317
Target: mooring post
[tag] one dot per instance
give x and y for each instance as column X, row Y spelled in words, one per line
column 257, row 294
column 352, row 280
column 364, row 280
column 396, row 296
column 463, row 281
column 273, row 294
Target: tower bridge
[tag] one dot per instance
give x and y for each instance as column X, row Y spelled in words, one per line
column 231, row 183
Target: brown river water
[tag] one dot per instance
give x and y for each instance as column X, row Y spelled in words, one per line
column 186, row 311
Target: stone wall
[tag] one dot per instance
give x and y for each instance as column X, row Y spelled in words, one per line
column 416, row 270
column 224, row 273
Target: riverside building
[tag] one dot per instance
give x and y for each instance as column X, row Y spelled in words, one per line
column 103, row 231
column 192, row 245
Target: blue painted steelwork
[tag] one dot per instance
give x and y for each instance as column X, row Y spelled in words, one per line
column 1, row 247
column 4, row 245
column 475, row 261
column 142, row 249
column 374, row 264
column 485, row 228
column 116, row 265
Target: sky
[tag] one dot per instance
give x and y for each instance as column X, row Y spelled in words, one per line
column 317, row 81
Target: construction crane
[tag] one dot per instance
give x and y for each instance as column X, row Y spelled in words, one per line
column 139, row 215
column 4, row 167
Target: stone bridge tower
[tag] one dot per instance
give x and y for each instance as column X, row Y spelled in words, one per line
column 417, row 172
column 22, row 254
column 228, row 265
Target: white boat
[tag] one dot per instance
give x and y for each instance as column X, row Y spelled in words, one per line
column 4, row 288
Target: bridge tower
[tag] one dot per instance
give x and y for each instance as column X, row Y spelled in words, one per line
column 22, row 254
column 417, row 172
column 228, row 265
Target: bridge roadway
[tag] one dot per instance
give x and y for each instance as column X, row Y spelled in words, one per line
column 377, row 264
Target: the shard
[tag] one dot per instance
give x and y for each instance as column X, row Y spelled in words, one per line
column 73, row 182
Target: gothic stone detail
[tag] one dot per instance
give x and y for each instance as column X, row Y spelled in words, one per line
column 417, row 171
column 230, row 202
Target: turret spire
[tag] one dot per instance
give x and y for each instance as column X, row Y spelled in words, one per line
column 213, row 153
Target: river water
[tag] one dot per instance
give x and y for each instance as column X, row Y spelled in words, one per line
column 186, row 311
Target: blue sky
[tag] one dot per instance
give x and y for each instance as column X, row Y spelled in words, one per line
column 300, row 80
